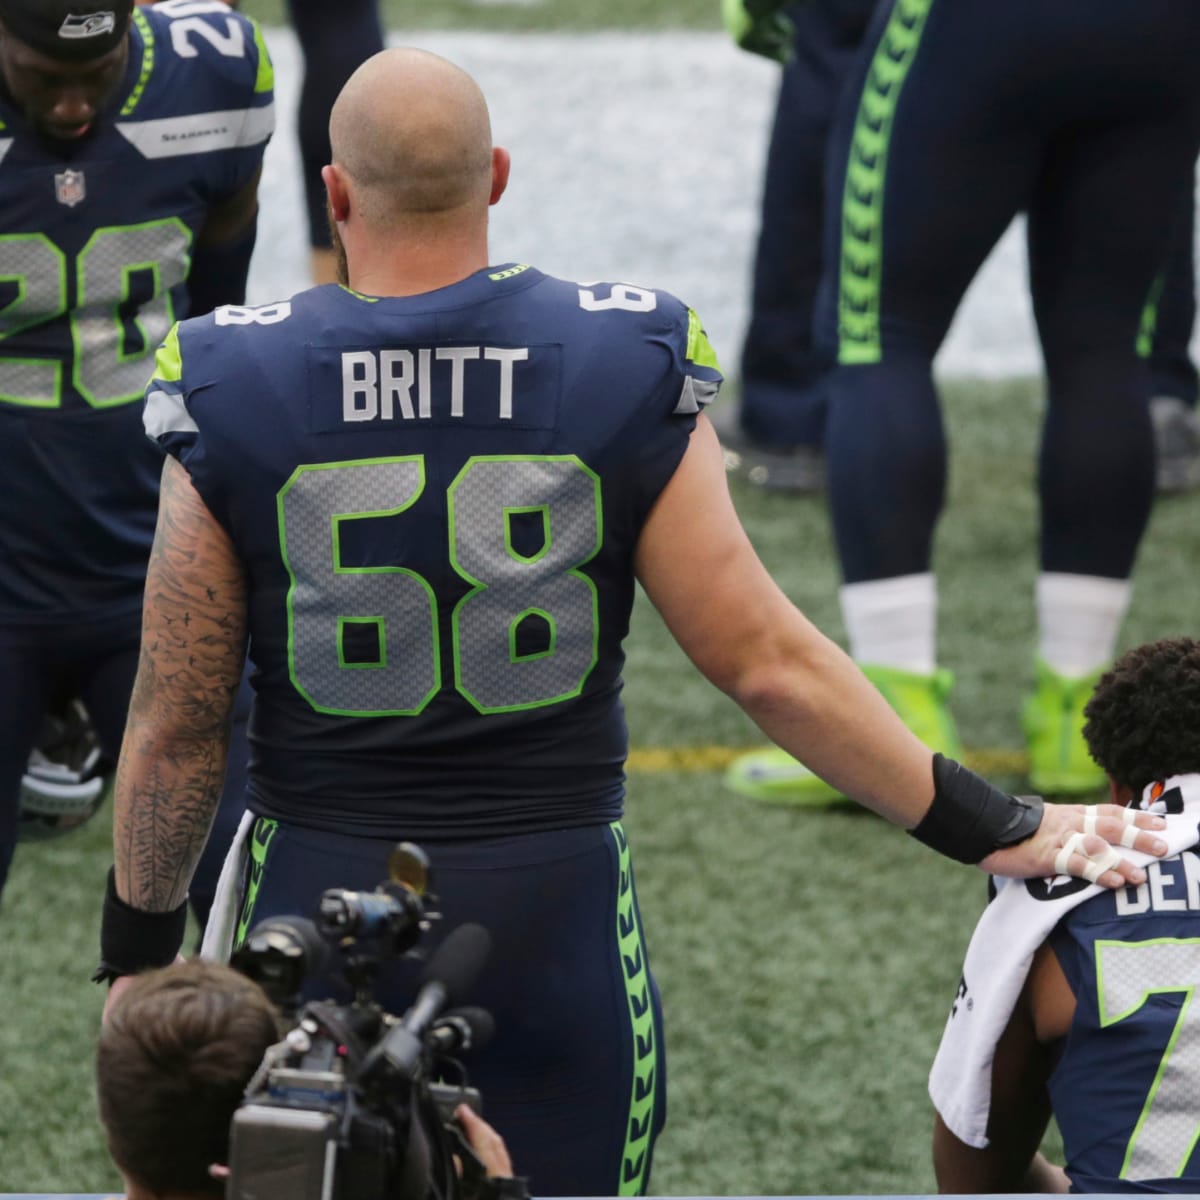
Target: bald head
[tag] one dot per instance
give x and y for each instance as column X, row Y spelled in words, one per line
column 412, row 133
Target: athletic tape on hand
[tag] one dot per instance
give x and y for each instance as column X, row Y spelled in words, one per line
column 1096, row 864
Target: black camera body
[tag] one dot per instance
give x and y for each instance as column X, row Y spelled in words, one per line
column 349, row 1105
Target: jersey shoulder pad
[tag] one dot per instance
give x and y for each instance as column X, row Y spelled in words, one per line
column 202, row 56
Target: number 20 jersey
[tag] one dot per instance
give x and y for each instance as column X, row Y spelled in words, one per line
column 437, row 499
column 96, row 238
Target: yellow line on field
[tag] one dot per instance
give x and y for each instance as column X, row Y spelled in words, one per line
column 988, row 760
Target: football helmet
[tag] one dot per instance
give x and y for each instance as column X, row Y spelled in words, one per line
column 66, row 777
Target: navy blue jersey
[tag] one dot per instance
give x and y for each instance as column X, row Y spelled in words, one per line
column 437, row 499
column 96, row 238
column 1125, row 1089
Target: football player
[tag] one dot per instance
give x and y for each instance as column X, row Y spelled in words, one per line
column 131, row 143
column 426, row 496
column 1077, row 1001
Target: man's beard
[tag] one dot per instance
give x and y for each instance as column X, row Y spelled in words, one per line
column 339, row 251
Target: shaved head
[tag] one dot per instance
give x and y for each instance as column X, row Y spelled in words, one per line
column 412, row 133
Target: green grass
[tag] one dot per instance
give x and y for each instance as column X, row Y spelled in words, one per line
column 807, row 960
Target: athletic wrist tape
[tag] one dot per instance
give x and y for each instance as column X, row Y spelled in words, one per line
column 969, row 818
column 132, row 940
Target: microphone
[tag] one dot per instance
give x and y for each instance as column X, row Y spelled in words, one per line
column 462, row 1029
column 449, row 975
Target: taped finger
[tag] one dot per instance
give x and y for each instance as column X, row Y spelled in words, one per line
column 1063, row 857
column 1099, row 863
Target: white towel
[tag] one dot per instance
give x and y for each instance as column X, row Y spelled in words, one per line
column 1002, row 947
column 217, row 945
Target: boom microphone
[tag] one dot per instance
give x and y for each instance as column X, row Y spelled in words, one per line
column 449, row 975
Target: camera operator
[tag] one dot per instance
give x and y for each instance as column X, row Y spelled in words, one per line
column 174, row 1057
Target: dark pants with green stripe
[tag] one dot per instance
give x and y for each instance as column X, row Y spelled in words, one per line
column 1086, row 115
column 575, row 1077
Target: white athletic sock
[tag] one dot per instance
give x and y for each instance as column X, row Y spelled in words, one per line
column 892, row 622
column 1079, row 617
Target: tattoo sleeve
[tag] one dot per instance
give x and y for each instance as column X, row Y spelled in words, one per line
column 172, row 764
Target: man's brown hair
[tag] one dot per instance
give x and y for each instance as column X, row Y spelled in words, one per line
column 173, row 1060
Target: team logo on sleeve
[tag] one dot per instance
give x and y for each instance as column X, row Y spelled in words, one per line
column 80, row 25
column 69, row 187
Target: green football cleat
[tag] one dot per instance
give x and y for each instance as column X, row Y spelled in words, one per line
column 775, row 777
column 1059, row 762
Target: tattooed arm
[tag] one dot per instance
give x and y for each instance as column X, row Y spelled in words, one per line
column 172, row 763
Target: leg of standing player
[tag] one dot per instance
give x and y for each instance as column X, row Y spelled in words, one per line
column 575, row 1075
column 1173, row 383
column 24, row 693
column 1100, row 228
column 782, row 411
column 902, row 243
column 335, row 39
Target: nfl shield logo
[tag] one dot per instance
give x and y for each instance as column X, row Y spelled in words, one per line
column 69, row 188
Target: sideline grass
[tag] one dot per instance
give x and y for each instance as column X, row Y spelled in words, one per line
column 806, row 959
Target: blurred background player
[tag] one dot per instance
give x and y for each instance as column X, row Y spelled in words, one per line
column 1085, row 997
column 124, row 207
column 334, row 39
column 774, row 437
column 429, row 522
column 962, row 115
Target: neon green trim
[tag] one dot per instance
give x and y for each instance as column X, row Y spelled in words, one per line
column 499, row 275
column 260, row 842
column 264, row 81
column 168, row 362
column 55, row 366
column 335, row 521
column 380, row 643
column 860, row 278
column 514, row 627
column 359, row 295
column 479, row 586
column 1149, row 323
column 81, row 299
column 544, row 509
column 632, row 947
column 147, row 35
column 699, row 348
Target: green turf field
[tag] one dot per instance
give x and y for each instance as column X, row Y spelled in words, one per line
column 806, row 959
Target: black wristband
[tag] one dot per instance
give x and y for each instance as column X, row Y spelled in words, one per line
column 969, row 818
column 132, row 940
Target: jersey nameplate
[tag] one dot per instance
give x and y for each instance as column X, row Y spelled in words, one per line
column 476, row 385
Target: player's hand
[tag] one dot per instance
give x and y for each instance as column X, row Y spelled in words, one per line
column 1091, row 856
column 486, row 1142
column 760, row 26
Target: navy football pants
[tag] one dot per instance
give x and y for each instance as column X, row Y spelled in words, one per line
column 574, row 1078
column 782, row 398
column 98, row 663
column 335, row 39
column 1085, row 114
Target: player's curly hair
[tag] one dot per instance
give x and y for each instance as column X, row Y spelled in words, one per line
column 1143, row 720
column 173, row 1059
